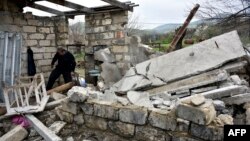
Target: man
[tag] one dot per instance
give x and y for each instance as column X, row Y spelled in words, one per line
column 66, row 66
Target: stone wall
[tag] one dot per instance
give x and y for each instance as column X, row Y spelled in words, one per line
column 42, row 34
column 111, row 122
column 109, row 29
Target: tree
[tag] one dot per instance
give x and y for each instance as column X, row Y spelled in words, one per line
column 133, row 27
column 77, row 32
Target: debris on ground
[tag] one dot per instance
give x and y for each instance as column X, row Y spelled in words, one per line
column 189, row 94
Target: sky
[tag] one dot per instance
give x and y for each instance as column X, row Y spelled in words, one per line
column 150, row 13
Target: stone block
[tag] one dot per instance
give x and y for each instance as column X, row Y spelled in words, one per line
column 46, row 69
column 147, row 133
column 106, row 111
column 51, row 37
column 182, row 125
column 47, row 55
column 36, row 36
column 57, row 126
column 203, row 114
column 33, row 22
column 31, row 42
column 120, row 49
column 44, row 42
column 52, row 30
column 16, row 134
column 38, row 56
column 183, row 138
column 106, row 21
column 79, row 120
column 237, row 99
column 122, row 129
column 64, row 116
column 62, row 29
column 62, row 42
column 69, row 107
column 44, row 62
column 20, row 21
column 50, row 49
column 163, row 119
column 120, row 19
column 29, row 29
column 95, row 122
column 44, row 30
column 107, row 35
column 119, row 57
column 48, row 23
column 119, row 34
column 87, row 108
column 132, row 114
column 211, row 133
column 6, row 19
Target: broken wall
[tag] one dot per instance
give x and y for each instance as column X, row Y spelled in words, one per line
column 109, row 29
column 42, row 34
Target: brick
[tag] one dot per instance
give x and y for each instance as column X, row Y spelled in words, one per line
column 51, row 37
column 122, row 129
column 52, row 30
column 46, row 68
column 163, row 119
column 38, row 56
column 20, row 21
column 44, row 42
column 133, row 115
column 44, row 62
column 29, row 29
column 106, row 111
column 34, row 22
column 50, row 49
column 31, row 42
column 47, row 55
column 36, row 36
column 16, row 134
column 96, row 122
column 106, row 21
column 120, row 49
column 44, row 30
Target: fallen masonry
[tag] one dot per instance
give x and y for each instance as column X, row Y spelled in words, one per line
column 155, row 101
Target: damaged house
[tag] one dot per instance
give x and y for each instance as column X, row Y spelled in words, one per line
column 138, row 94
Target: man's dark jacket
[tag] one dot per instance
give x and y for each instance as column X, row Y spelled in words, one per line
column 66, row 62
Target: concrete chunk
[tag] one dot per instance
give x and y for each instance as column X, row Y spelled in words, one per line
column 197, row 100
column 57, row 126
column 139, row 99
column 203, row 114
column 78, row 94
column 16, row 134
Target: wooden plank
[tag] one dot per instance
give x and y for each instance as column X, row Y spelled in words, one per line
column 47, row 134
column 61, row 88
column 73, row 6
column 119, row 4
column 46, row 9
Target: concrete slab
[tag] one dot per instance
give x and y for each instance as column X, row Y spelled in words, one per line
column 57, row 126
column 110, row 73
column 46, row 133
column 192, row 82
column 208, row 55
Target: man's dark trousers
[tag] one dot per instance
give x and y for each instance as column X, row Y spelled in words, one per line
column 56, row 74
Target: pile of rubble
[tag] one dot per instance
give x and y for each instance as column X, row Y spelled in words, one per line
column 189, row 94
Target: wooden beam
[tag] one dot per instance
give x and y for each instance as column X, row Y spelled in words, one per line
column 119, row 4
column 46, row 9
column 46, row 133
column 73, row 6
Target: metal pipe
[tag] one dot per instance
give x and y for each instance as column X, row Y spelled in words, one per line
column 13, row 61
column 5, row 54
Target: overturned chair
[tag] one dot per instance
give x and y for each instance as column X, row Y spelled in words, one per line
column 29, row 95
